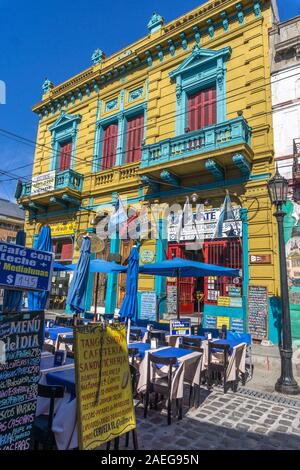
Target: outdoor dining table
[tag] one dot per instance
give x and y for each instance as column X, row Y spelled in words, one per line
column 53, row 332
column 141, row 347
column 188, row 368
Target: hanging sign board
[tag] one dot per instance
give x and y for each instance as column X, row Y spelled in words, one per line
column 148, row 306
column 103, row 384
column 258, row 311
column 223, row 301
column 180, row 327
column 62, row 229
column 210, row 321
column 25, row 268
column 21, row 340
column 43, row 183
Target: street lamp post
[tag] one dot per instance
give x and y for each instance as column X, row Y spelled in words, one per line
column 278, row 189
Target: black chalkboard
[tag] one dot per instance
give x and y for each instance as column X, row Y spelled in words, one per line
column 21, row 339
column 258, row 311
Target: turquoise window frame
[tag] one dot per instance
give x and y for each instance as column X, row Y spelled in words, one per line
column 203, row 68
column 64, row 129
column 121, row 118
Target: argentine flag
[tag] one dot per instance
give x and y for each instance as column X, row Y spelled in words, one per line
column 225, row 214
column 118, row 218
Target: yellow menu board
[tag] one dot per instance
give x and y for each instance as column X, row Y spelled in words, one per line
column 223, row 301
column 103, row 384
column 223, row 321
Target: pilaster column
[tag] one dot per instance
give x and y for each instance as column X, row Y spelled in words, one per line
column 245, row 257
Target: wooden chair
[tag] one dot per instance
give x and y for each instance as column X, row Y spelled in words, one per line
column 160, row 336
column 42, row 426
column 49, row 348
column 69, row 344
column 136, row 334
column 217, row 364
column 194, row 344
column 160, row 386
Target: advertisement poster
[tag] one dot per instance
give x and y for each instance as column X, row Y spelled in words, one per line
column 21, row 339
column 43, row 183
column 223, row 321
column 148, row 306
column 180, row 327
column 24, row 268
column 103, row 384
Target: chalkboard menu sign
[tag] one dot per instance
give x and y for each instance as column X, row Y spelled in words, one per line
column 21, row 338
column 258, row 311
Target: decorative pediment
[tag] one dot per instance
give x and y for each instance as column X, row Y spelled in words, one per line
column 199, row 57
column 65, row 120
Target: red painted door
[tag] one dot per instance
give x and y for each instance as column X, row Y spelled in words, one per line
column 109, row 146
column 228, row 253
column 202, row 109
column 65, row 156
column 185, row 285
column 134, row 138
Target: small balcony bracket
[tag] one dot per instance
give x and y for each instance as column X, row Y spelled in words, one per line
column 243, row 165
column 168, row 177
column 215, row 169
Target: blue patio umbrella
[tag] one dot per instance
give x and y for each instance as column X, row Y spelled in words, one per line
column 77, row 290
column 38, row 300
column 12, row 300
column 98, row 266
column 179, row 267
column 129, row 307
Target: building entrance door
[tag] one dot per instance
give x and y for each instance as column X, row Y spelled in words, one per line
column 186, row 286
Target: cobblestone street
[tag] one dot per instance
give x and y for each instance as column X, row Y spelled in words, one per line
column 231, row 421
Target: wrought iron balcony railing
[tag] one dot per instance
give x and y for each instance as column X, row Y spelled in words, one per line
column 219, row 136
column 66, row 179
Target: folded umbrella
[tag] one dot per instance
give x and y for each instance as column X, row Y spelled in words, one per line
column 77, row 291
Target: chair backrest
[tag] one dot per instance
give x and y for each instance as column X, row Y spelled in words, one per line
column 69, row 344
column 186, row 341
column 133, row 354
column 164, row 361
column 136, row 334
column 64, row 321
column 159, row 335
column 212, row 346
column 52, row 392
column 49, row 348
column 214, row 332
column 192, row 347
column 133, row 373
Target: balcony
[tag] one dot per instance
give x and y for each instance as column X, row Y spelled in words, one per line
column 61, row 188
column 220, row 140
column 111, row 179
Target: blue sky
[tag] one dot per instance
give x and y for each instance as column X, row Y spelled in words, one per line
column 55, row 39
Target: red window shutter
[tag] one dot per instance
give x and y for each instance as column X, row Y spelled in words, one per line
column 202, row 109
column 65, row 156
column 67, row 250
column 109, row 148
column 134, row 138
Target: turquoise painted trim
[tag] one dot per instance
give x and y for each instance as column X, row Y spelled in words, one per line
column 245, row 257
column 215, row 310
column 196, row 73
column 274, row 319
column 63, row 129
column 112, row 281
column 95, row 164
column 119, row 117
column 185, row 145
column 161, row 281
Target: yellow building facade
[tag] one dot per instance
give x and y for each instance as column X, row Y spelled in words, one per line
column 184, row 112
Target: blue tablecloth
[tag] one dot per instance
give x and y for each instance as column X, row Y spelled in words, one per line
column 230, row 343
column 142, row 347
column 66, row 378
column 172, row 352
column 54, row 331
column 47, row 362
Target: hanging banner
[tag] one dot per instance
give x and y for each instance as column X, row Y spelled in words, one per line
column 25, row 268
column 62, row 229
column 203, row 225
column 103, row 384
column 43, row 183
column 21, row 340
